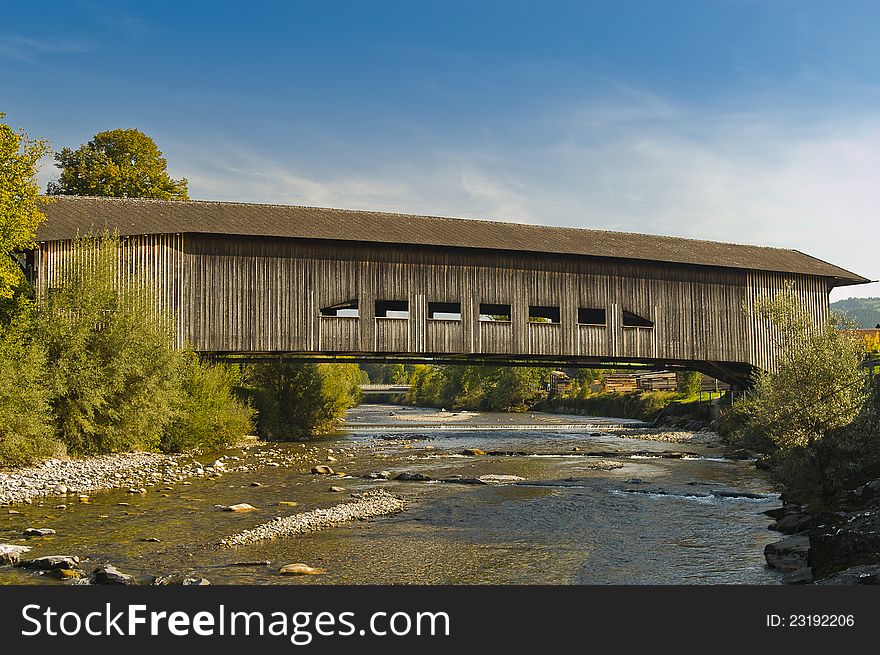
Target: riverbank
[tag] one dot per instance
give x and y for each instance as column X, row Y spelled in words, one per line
column 840, row 545
column 138, row 471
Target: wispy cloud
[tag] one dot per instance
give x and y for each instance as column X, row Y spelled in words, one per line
column 35, row 50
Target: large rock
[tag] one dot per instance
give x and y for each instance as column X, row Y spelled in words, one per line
column 111, row 575
column 413, row 477
column 789, row 554
column 11, row 554
column 868, row 574
column 50, row 562
column 845, row 539
column 38, row 532
column 792, row 523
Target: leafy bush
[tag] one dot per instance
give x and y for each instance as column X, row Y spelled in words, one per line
column 208, row 414
column 26, row 431
column 491, row 388
column 294, row 401
column 805, row 412
column 112, row 363
column 689, row 382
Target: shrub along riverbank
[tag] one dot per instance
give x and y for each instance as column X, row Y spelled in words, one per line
column 92, row 368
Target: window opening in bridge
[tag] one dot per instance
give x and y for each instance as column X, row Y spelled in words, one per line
column 634, row 320
column 591, row 316
column 392, row 309
column 347, row 309
column 494, row 313
column 444, row 311
column 543, row 314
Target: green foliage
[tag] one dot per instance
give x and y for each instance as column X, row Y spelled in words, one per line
column 865, row 312
column 26, row 431
column 643, row 405
column 388, row 373
column 298, row 400
column 208, row 414
column 803, row 412
column 111, row 358
column 19, row 201
column 688, row 382
column 117, row 163
column 492, row 388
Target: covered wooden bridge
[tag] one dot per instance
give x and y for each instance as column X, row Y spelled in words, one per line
column 256, row 281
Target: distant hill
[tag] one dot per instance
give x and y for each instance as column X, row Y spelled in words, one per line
column 866, row 311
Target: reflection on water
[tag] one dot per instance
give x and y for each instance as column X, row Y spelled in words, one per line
column 571, row 521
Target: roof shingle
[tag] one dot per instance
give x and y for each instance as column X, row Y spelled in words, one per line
column 69, row 216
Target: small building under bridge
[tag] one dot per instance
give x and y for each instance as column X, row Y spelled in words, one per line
column 256, row 281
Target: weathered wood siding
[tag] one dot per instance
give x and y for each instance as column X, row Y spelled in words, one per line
column 264, row 295
column 157, row 259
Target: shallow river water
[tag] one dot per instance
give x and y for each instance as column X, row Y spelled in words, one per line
column 571, row 520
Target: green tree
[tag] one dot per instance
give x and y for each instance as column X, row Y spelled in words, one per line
column 26, row 429
column 801, row 412
column 297, row 400
column 689, row 382
column 118, row 163
column 20, row 201
column 208, row 414
column 111, row 358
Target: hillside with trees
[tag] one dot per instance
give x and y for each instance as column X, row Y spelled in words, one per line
column 865, row 311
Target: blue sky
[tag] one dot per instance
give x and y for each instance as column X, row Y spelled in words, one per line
column 737, row 120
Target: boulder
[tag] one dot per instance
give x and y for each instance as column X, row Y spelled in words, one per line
column 413, row 477
column 38, row 532
column 110, row 575
column 11, row 554
column 50, row 562
column 322, row 469
column 867, row 574
column 789, row 554
column 792, row 523
column 300, row 569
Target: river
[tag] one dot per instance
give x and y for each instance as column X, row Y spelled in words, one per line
column 626, row 516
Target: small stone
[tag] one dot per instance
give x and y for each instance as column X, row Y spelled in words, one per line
column 152, row 540
column 288, row 503
column 300, row 569
column 240, row 507
column 66, row 574
column 38, row 532
column 338, row 489
column 473, row 452
column 195, row 582
column 60, row 506
column 14, row 511
column 330, row 458
column 137, row 491
column 320, row 469
column 256, row 484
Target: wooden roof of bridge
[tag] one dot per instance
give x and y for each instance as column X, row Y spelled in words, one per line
column 69, row 216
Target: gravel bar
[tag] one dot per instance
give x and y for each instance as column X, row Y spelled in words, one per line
column 372, row 503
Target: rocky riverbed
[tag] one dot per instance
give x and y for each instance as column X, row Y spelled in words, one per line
column 492, row 498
